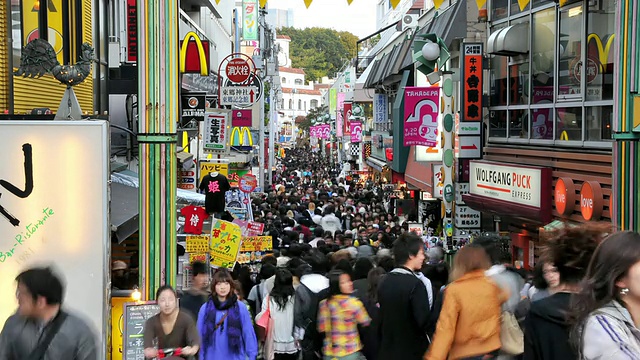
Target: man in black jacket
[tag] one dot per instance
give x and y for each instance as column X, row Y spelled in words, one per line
column 404, row 304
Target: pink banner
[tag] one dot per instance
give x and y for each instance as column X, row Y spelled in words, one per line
column 325, row 131
column 421, row 116
column 339, row 115
column 313, row 131
column 355, row 129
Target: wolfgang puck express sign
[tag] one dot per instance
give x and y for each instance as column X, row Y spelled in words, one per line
column 520, row 185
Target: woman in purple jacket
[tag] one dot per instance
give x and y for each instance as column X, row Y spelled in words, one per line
column 225, row 325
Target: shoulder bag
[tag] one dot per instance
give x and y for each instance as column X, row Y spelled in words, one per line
column 41, row 349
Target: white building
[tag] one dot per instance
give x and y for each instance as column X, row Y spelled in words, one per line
column 298, row 96
column 279, row 18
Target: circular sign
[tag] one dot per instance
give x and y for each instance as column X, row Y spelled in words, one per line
column 564, row 196
column 591, row 200
column 448, row 193
column 592, row 71
column 448, row 122
column 248, row 183
column 238, row 70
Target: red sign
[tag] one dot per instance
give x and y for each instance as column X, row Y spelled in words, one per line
column 248, row 183
column 132, row 31
column 564, row 196
column 255, row 228
column 347, row 115
column 472, row 80
column 241, row 118
column 238, row 70
column 591, row 200
column 194, row 55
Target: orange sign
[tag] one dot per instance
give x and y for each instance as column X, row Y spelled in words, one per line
column 591, row 200
column 564, row 196
column 472, row 82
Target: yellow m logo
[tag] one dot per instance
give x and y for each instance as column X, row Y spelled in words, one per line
column 241, row 136
column 204, row 66
column 603, row 50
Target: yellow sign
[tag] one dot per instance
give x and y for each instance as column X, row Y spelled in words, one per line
column 603, row 51
column 204, row 67
column 117, row 326
column 54, row 20
column 241, row 136
column 523, row 4
column 256, row 243
column 197, row 257
column 197, row 244
column 564, row 136
column 208, row 167
column 225, row 243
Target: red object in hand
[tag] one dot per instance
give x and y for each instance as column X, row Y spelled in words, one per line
column 166, row 353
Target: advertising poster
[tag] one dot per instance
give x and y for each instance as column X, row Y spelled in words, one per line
column 542, row 119
column 355, row 129
column 421, row 116
column 249, row 19
column 254, row 248
column 347, row 114
column 225, row 243
column 214, row 139
column 339, row 114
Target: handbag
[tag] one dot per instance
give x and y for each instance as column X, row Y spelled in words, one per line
column 511, row 335
column 262, row 322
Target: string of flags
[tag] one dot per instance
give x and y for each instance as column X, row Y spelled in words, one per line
column 436, row 3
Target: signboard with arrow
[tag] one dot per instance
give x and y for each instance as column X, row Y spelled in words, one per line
column 469, row 147
column 238, row 95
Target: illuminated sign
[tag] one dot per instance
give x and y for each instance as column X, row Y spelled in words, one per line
column 472, row 82
column 194, row 55
column 241, row 136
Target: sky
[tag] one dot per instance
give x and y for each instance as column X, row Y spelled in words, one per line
column 359, row 18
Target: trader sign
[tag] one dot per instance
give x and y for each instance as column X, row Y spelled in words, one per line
column 507, row 183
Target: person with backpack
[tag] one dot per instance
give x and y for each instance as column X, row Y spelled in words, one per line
column 41, row 329
column 314, row 287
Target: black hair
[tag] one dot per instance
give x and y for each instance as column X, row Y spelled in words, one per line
column 334, row 282
column 538, row 280
column 266, row 271
column 42, row 282
column 407, row 245
column 283, row 290
column 361, row 268
column 269, row 259
column 198, row 267
column 164, row 288
column 387, row 263
column 374, row 277
column 345, row 266
column 318, row 261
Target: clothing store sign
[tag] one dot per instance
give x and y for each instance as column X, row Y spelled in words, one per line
column 508, row 182
column 215, row 138
column 50, row 212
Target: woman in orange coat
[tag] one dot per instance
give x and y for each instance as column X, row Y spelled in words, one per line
column 469, row 325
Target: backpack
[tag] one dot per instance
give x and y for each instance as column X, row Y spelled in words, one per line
column 310, row 302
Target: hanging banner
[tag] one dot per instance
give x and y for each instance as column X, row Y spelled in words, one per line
column 380, row 108
column 355, row 129
column 225, row 243
column 313, row 131
column 340, row 114
column 325, row 131
column 132, row 31
column 421, row 116
column 471, row 78
column 215, row 136
column 347, row 115
column 333, row 100
column 249, row 20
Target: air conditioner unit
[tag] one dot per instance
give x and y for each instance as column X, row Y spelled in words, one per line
column 409, row 21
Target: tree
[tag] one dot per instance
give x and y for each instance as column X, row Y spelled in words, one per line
column 320, row 51
column 313, row 115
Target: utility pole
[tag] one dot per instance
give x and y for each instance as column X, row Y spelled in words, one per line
column 261, row 153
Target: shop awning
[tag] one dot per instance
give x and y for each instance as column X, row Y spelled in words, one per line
column 497, row 207
column 449, row 24
column 389, row 64
column 124, row 211
column 418, row 174
column 375, row 163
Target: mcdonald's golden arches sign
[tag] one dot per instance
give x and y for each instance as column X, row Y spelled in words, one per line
column 241, row 136
column 194, row 55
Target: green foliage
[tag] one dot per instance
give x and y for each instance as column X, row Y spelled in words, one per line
column 319, row 51
column 313, row 115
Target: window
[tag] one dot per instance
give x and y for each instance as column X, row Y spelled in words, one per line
column 281, row 103
column 298, row 81
column 569, row 53
column 598, row 122
column 299, row 104
column 284, row 80
column 569, row 124
column 519, row 124
column 305, row 105
column 515, row 7
column 291, row 104
column 519, row 84
column 600, row 50
column 498, row 77
column 498, row 123
column 314, row 104
column 500, row 9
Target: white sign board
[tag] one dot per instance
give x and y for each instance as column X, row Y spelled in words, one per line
column 238, row 95
column 468, row 128
column 467, row 218
column 506, row 183
column 461, row 189
column 55, row 212
column 215, row 133
column 380, row 108
column 468, row 147
column 438, row 181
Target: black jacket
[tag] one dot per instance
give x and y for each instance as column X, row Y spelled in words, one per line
column 404, row 317
column 546, row 330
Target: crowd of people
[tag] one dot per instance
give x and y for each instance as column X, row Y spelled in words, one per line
column 347, row 281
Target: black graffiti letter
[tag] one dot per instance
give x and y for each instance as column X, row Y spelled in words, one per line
column 28, row 184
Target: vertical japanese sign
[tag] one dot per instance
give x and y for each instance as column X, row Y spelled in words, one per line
column 333, row 100
column 225, row 243
column 30, row 30
column 340, row 114
column 132, row 31
column 215, row 132
column 421, row 116
column 356, row 131
column 380, row 108
column 347, row 115
column 472, row 82
column 249, row 19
